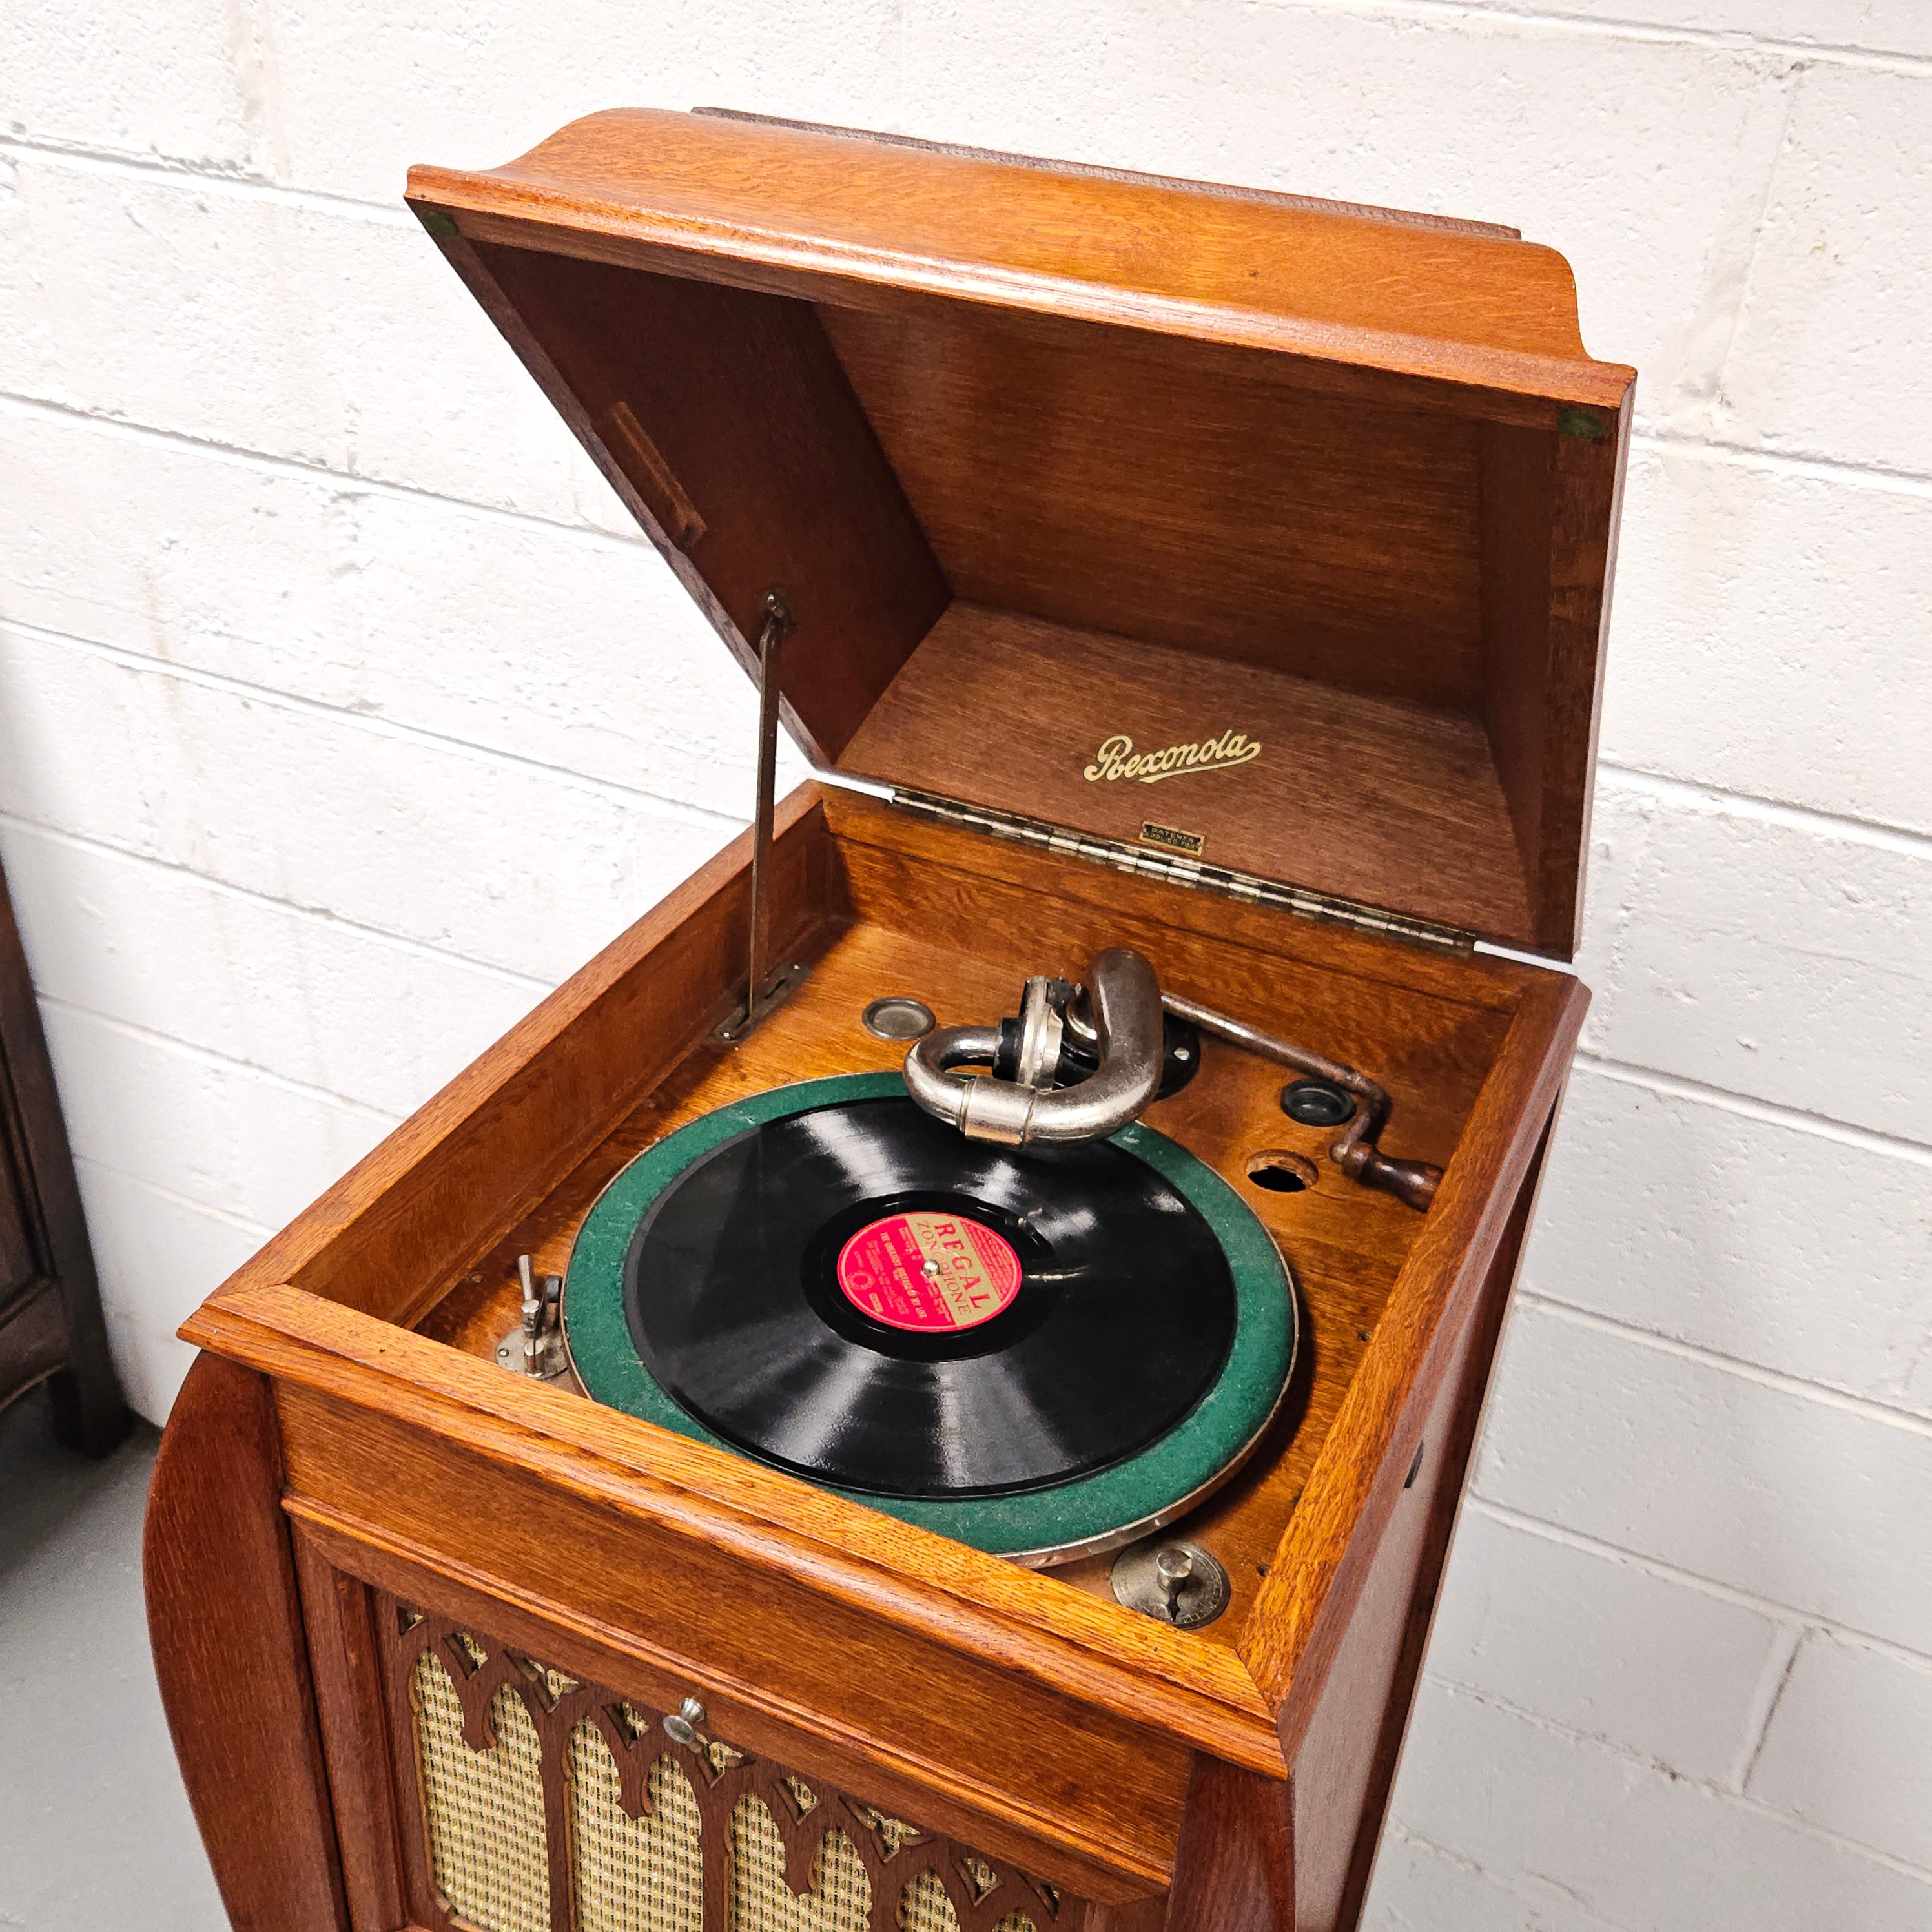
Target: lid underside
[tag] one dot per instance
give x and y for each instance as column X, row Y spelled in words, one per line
column 1168, row 513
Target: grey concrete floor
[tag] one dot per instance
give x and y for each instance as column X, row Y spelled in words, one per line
column 94, row 1828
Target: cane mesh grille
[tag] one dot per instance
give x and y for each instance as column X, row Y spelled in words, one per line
column 633, row 1874
column 924, row 1905
column 483, row 1809
column 894, row 1834
column 717, row 1820
column 839, row 1900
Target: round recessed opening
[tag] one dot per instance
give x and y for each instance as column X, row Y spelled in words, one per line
column 898, row 1018
column 1281, row 1172
column 1317, row 1103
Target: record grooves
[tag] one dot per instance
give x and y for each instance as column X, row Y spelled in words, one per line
column 1122, row 1318
column 1036, row 1351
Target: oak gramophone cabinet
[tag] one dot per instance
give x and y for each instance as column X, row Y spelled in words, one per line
column 1212, row 573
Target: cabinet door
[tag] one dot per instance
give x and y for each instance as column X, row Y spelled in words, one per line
column 522, row 1798
column 50, row 1321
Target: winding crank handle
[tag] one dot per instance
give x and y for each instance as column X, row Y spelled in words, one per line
column 1354, row 1149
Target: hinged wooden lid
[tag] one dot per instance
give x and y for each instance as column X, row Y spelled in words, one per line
column 1270, row 532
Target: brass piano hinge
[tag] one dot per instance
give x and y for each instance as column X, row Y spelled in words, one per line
column 1189, row 873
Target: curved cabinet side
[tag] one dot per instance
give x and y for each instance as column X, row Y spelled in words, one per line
column 225, row 1621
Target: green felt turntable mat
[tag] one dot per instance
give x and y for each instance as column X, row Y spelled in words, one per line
column 1097, row 1511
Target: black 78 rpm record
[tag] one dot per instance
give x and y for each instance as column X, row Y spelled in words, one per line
column 1037, row 1353
column 860, row 1294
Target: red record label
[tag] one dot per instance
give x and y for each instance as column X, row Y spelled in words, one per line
column 929, row 1272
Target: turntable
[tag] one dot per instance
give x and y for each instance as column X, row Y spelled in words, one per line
column 1043, row 1351
column 929, row 1385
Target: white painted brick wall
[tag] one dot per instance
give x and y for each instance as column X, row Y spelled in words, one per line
column 1744, row 1478
column 1846, row 1750
column 1662, row 1668
column 1574, row 1834
column 1752, row 1263
column 1759, row 593
column 341, row 714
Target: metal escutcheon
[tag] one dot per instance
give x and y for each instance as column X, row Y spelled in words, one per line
column 1172, row 1581
column 897, row 1017
column 552, row 1365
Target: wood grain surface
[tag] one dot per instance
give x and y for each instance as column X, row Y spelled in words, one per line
column 645, row 1600
column 1445, row 224
column 1346, row 1243
column 1374, row 799
column 1365, row 458
column 1586, row 515
column 901, row 869
column 231, row 1657
column 1346, row 1767
column 371, row 1812
column 905, row 909
column 928, row 1586
column 1290, row 1642
column 392, row 1235
column 729, row 413
column 807, row 213
column 419, row 1466
column 963, row 943
column 1141, row 495
column 1233, row 1870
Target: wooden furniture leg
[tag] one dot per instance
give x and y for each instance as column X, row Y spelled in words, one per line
column 224, row 1616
